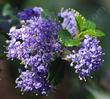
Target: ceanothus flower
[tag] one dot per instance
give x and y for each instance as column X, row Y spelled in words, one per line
column 69, row 22
column 29, row 81
column 36, row 41
column 87, row 58
column 35, row 44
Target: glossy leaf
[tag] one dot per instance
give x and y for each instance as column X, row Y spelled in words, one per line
column 80, row 22
column 92, row 32
column 66, row 39
column 89, row 25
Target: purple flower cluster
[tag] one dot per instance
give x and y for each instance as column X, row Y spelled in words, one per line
column 87, row 58
column 29, row 81
column 36, row 44
column 69, row 22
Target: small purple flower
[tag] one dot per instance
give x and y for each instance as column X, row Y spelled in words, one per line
column 69, row 22
column 87, row 58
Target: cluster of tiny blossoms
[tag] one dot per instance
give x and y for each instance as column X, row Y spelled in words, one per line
column 69, row 22
column 35, row 43
column 87, row 57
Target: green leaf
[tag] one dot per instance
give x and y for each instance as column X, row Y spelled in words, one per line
column 76, row 42
column 84, row 24
column 92, row 32
column 66, row 39
column 99, row 33
column 89, row 25
column 56, row 71
column 80, row 22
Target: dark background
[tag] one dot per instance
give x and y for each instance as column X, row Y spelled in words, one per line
column 71, row 88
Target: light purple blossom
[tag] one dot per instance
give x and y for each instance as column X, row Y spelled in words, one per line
column 69, row 22
column 87, row 58
column 35, row 41
column 31, row 82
